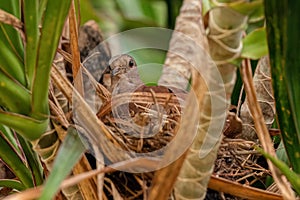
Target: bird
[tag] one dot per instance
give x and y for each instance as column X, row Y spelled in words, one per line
column 121, row 74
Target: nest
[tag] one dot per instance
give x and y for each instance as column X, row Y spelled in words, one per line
column 154, row 119
column 160, row 112
column 151, row 120
column 146, row 121
column 237, row 160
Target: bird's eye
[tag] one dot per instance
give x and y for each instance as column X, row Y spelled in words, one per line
column 131, row 63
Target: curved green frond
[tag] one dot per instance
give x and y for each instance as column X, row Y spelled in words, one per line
column 13, row 37
column 9, row 155
column 70, row 152
column 13, row 96
column 52, row 25
column 31, row 26
column 9, row 62
column 290, row 175
column 33, row 161
column 255, row 44
column 17, row 185
column 28, row 127
column 283, row 22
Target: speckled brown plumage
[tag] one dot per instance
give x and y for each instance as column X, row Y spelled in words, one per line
column 94, row 52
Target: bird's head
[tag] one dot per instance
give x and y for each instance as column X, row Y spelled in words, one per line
column 121, row 64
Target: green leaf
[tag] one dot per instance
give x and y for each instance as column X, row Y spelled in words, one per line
column 10, row 64
column 12, row 36
column 70, row 152
column 255, row 44
column 52, row 25
column 17, row 185
column 290, row 175
column 9, row 135
column 247, row 8
column 33, row 161
column 42, row 8
column 12, row 7
column 13, row 96
column 31, row 25
column 283, row 20
column 10, row 156
column 28, row 127
column 206, row 6
column 257, row 15
column 243, row 7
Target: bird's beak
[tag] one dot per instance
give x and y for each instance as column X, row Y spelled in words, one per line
column 115, row 71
